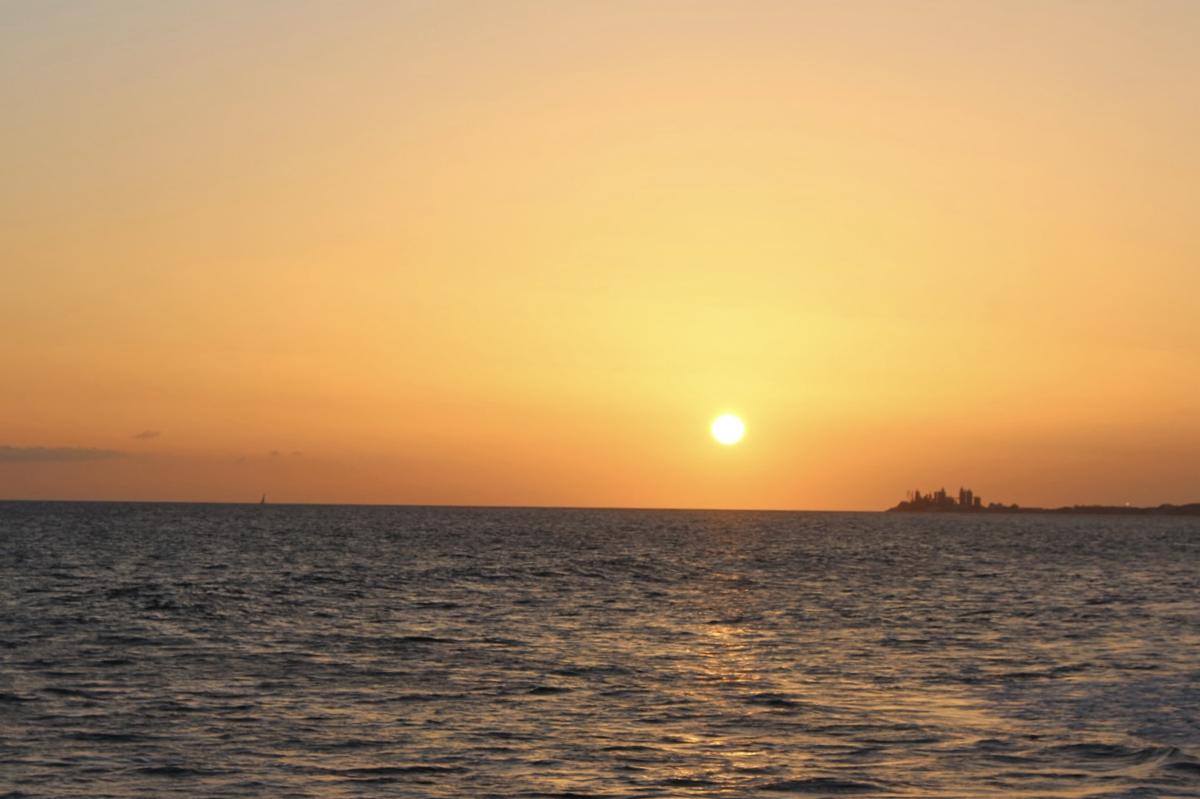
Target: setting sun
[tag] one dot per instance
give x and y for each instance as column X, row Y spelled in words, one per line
column 728, row 429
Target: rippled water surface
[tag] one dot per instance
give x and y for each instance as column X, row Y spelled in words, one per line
column 210, row 651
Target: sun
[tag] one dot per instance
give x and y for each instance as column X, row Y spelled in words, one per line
column 727, row 429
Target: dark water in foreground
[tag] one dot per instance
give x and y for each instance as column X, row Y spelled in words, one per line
column 211, row 651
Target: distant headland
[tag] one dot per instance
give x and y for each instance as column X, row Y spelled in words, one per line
column 968, row 502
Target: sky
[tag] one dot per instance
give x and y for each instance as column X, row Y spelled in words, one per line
column 523, row 253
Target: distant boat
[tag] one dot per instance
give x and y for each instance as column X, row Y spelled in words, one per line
column 263, row 501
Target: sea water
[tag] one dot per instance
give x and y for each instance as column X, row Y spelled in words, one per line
column 300, row 651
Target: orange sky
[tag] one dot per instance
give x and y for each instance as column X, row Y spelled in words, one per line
column 523, row 253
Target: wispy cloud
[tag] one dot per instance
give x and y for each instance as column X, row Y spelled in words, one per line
column 146, row 435
column 55, row 454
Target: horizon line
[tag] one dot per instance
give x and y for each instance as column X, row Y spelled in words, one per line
column 464, row 506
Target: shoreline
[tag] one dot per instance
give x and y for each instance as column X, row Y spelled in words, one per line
column 1190, row 509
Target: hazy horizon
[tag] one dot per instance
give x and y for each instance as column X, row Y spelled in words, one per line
column 267, row 499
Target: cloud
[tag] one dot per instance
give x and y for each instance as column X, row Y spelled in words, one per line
column 146, row 435
column 55, row 454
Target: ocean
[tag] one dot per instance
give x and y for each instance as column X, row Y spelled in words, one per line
column 156, row 650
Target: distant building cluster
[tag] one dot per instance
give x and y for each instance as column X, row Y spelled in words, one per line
column 940, row 500
column 967, row 502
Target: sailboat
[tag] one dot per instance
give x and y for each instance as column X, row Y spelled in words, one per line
column 263, row 501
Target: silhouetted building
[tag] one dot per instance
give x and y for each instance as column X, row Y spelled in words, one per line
column 940, row 500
